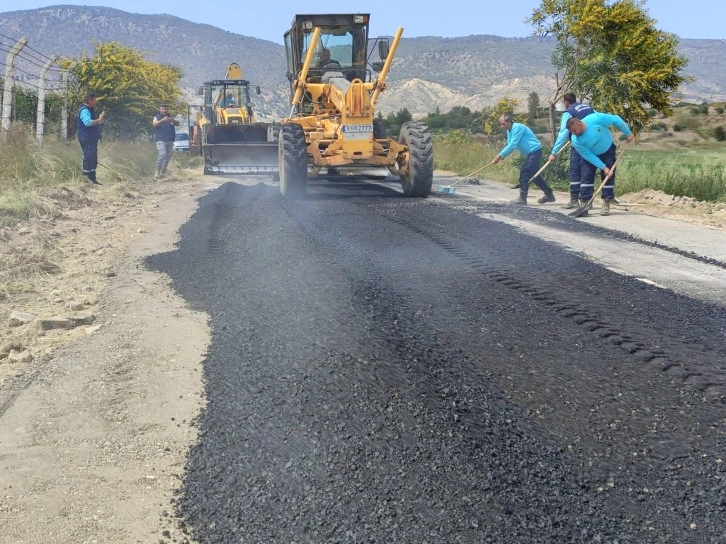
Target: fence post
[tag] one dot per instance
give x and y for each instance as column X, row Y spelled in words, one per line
column 64, row 109
column 39, row 127
column 7, row 103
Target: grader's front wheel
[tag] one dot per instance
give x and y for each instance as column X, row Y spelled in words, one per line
column 293, row 161
column 419, row 177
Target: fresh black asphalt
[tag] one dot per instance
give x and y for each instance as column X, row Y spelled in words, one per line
column 396, row 370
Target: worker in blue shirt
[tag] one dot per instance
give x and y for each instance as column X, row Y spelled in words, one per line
column 88, row 131
column 522, row 138
column 591, row 138
column 573, row 108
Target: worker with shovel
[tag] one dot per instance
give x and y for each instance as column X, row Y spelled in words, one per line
column 591, row 138
column 522, row 138
column 573, row 108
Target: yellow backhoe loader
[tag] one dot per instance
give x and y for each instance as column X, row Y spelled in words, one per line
column 332, row 123
column 226, row 133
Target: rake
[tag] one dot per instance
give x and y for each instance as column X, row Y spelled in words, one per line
column 450, row 189
column 579, row 212
column 544, row 167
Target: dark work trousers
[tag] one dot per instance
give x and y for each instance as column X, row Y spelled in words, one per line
column 575, row 174
column 587, row 187
column 90, row 159
column 529, row 169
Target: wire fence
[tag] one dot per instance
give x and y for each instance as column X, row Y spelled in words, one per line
column 34, row 90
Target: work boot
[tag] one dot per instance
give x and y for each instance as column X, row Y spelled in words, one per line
column 548, row 197
column 572, row 204
column 583, row 204
column 157, row 174
column 605, row 210
column 520, row 200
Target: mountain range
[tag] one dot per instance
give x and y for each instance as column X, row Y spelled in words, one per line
column 428, row 73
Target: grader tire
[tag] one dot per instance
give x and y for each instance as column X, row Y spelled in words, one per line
column 293, row 162
column 420, row 176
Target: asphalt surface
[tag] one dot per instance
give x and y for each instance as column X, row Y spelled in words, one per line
column 387, row 369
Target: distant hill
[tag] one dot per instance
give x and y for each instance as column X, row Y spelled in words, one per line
column 428, row 72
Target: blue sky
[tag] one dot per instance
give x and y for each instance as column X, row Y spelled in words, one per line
column 453, row 18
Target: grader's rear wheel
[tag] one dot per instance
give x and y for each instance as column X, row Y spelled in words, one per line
column 420, row 175
column 293, row 161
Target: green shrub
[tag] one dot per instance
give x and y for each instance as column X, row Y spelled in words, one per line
column 719, row 133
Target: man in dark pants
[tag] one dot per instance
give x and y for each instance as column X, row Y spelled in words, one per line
column 522, row 138
column 592, row 139
column 573, row 108
column 89, row 133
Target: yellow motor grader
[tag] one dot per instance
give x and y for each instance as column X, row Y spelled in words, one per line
column 332, row 124
column 226, row 133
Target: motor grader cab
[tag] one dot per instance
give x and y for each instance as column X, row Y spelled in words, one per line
column 227, row 134
column 336, row 75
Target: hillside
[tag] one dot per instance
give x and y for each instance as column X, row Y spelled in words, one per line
column 428, row 72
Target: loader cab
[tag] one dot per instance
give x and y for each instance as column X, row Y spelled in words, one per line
column 227, row 101
column 344, row 36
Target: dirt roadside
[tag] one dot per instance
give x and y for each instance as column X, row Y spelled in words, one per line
column 96, row 419
column 95, row 428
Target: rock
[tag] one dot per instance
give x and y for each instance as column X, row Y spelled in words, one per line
column 67, row 322
column 22, row 357
column 18, row 319
column 8, row 347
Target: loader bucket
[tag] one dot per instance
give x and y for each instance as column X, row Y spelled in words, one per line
column 241, row 149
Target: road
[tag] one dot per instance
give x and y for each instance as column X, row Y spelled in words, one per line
column 446, row 370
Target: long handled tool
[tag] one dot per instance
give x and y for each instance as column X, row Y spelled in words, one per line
column 579, row 212
column 544, row 167
column 450, row 189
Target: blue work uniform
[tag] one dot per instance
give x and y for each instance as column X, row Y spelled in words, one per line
column 521, row 138
column 88, row 136
column 575, row 175
column 597, row 147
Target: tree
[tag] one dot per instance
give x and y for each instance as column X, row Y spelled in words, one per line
column 611, row 54
column 129, row 88
column 532, row 105
column 491, row 117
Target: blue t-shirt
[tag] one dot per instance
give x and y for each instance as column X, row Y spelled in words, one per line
column 597, row 138
column 522, row 138
column 575, row 110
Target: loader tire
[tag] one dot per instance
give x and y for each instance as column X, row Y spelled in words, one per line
column 420, row 156
column 293, row 161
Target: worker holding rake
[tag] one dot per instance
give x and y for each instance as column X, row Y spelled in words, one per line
column 573, row 108
column 592, row 139
column 522, row 138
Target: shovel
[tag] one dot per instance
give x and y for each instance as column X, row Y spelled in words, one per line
column 449, row 189
column 579, row 212
column 546, row 164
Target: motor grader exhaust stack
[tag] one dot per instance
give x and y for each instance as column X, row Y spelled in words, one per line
column 227, row 135
column 332, row 123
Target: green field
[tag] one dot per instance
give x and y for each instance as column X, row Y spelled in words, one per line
column 696, row 173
